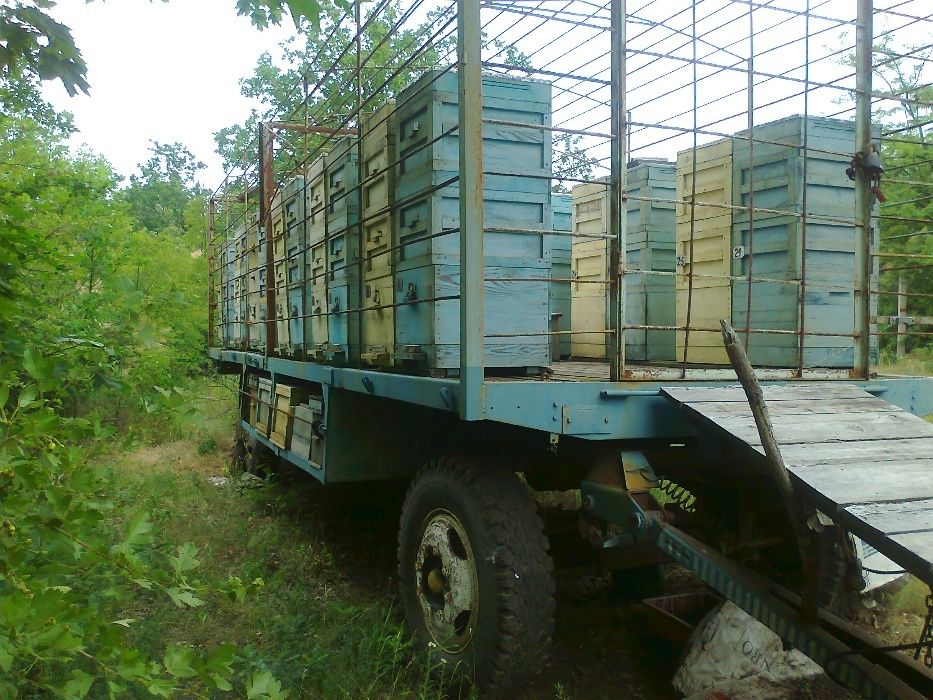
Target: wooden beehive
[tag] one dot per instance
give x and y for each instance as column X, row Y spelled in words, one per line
column 428, row 109
column 285, row 399
column 264, row 402
column 306, row 441
column 427, row 332
column 559, row 292
column 770, row 175
column 649, row 236
column 378, row 157
column 704, row 249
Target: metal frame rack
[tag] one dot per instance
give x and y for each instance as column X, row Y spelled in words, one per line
column 763, row 104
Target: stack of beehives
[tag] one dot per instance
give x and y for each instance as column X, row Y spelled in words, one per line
column 730, row 241
column 516, row 197
column 371, row 273
column 649, row 298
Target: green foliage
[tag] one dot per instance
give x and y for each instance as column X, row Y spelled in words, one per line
column 278, row 86
column 34, row 44
column 907, row 229
column 96, row 317
column 158, row 196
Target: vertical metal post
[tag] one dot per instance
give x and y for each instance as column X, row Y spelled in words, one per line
column 211, row 298
column 901, row 314
column 472, row 272
column 617, row 184
column 864, row 36
column 355, row 297
column 266, row 187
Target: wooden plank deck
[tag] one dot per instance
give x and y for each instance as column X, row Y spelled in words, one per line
column 865, row 463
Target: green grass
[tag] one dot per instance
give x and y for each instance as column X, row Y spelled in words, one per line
column 319, row 627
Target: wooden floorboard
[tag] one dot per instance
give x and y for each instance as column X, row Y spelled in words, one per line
column 864, row 461
column 826, row 428
column 890, row 518
column 865, row 483
column 785, row 391
column 871, row 451
column 799, row 407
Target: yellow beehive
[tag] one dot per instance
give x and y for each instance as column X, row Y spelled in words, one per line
column 378, row 154
column 707, row 230
column 588, row 263
column 286, row 398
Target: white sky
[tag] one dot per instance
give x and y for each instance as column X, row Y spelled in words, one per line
column 160, row 71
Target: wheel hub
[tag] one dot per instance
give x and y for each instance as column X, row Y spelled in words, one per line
column 445, row 571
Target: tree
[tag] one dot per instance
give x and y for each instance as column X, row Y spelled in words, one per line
column 278, row 86
column 907, row 214
column 160, row 193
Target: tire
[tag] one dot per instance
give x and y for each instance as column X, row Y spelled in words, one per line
column 476, row 579
column 258, row 459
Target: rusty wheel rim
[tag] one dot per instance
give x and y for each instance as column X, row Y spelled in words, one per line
column 445, row 575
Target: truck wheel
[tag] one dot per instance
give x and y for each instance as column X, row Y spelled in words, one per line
column 476, row 579
column 250, row 455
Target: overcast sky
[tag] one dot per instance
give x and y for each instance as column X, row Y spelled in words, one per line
column 161, row 71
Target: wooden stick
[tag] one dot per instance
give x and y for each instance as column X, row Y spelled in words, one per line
column 756, row 401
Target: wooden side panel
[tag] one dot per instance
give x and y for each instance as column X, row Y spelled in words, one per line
column 428, row 332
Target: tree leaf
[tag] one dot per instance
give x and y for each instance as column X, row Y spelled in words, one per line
column 183, row 598
column 186, row 560
column 262, row 685
column 178, row 661
column 137, row 529
column 27, row 397
column 77, row 686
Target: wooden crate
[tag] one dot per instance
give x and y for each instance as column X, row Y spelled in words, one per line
column 427, row 334
column 378, row 321
column 707, row 233
column 264, row 402
column 559, row 292
column 427, row 109
column 286, row 398
column 306, row 441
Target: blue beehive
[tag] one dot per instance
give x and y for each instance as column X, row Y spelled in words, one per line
column 560, row 269
column 341, row 172
column 428, row 332
column 772, row 244
column 650, row 242
column 429, row 108
column 516, row 196
column 295, row 226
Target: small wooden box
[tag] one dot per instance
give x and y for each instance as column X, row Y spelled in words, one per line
column 307, row 442
column 263, row 405
column 286, row 398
